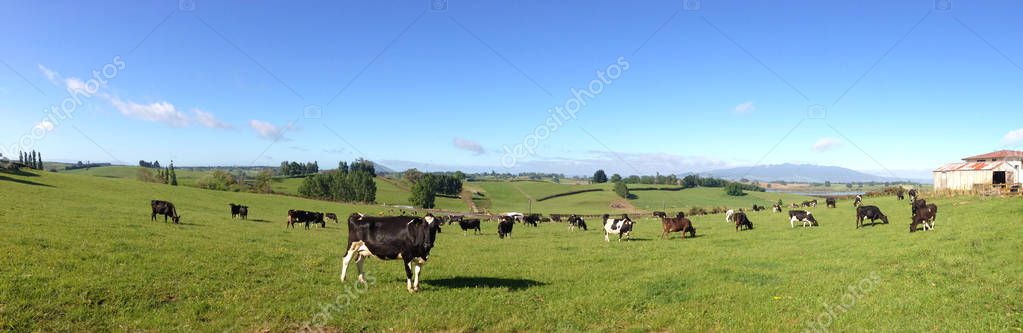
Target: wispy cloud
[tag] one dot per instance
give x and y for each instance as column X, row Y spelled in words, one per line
column 469, row 145
column 162, row 112
column 826, row 144
column 335, row 151
column 1013, row 138
column 745, row 108
column 45, row 125
column 268, row 131
column 208, row 120
column 50, row 74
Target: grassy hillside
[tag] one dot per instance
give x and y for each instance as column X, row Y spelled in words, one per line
column 80, row 254
column 185, row 177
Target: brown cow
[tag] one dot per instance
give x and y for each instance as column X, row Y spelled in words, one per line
column 678, row 224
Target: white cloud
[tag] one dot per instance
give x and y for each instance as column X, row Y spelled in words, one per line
column 267, row 130
column 162, row 112
column 469, row 145
column 208, row 120
column 45, row 125
column 50, row 74
column 745, row 108
column 1013, row 138
column 826, row 144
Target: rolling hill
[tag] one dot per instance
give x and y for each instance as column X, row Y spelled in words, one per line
column 801, row 173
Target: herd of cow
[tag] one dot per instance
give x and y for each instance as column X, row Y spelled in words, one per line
column 410, row 238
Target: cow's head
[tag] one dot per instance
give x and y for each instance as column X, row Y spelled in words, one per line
column 809, row 217
column 177, row 219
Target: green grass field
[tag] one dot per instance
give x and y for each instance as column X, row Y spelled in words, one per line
column 79, row 254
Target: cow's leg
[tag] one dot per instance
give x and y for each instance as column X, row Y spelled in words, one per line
column 606, row 239
column 415, row 274
column 408, row 275
column 359, row 261
column 345, row 261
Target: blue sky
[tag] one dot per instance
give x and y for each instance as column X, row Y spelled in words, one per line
column 905, row 85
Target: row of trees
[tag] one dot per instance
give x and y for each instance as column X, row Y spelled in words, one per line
column 162, row 176
column 32, row 160
column 298, row 169
column 600, row 177
column 349, row 183
column 151, row 165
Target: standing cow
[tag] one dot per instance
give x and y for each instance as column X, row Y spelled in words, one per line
column 621, row 227
column 166, row 209
column 388, row 238
column 575, row 223
column 831, row 202
column 469, row 224
column 678, row 224
column 742, row 221
column 504, row 228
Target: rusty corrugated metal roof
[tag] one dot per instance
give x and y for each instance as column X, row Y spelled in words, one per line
column 969, row 166
column 997, row 154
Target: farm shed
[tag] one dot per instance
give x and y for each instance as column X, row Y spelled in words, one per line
column 998, row 170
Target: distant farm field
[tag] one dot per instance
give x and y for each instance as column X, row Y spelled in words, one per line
column 79, row 253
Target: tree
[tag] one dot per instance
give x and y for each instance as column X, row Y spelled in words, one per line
column 691, row 181
column 264, row 181
column 622, row 190
column 734, row 189
column 599, row 177
column 827, row 183
column 422, row 195
column 849, row 185
column 616, row 178
column 173, row 175
column 413, row 175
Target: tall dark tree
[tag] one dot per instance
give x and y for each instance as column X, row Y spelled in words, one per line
column 622, row 190
column 422, row 195
column 599, row 177
column 173, row 175
column 616, row 178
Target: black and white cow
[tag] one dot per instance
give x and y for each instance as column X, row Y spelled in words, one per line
column 621, row 227
column 408, row 238
column 469, row 224
column 831, row 202
column 869, row 212
column 575, row 222
column 802, row 216
column 504, row 228
column 859, row 200
column 742, row 221
column 913, row 195
column 776, row 208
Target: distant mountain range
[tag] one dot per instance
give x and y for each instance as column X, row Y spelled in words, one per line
column 803, row 173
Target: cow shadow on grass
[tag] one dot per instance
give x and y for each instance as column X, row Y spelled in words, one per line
column 463, row 282
column 258, row 221
column 871, row 224
column 22, row 181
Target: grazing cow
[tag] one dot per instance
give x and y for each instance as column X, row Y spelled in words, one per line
column 776, row 208
column 806, row 218
column 742, row 221
column 332, row 216
column 621, row 227
column 387, row 238
column 831, row 202
column 575, row 222
column 469, row 224
column 660, row 215
column 811, row 203
column 301, row 216
column 243, row 212
column 531, row 219
column 729, row 216
column 678, row 224
column 504, row 228
column 869, row 212
column 556, row 218
column 757, row 208
column 166, row 209
column 900, row 195
column 794, row 205
column 859, row 201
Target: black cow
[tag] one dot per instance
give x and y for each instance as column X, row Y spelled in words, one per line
column 802, row 216
column 556, row 217
column 660, row 215
column 469, row 224
column 531, row 219
column 575, row 222
column 408, row 238
column 742, row 221
column 332, row 216
column 243, row 212
column 831, row 202
column 900, row 195
column 166, row 209
column 757, row 208
column 504, row 228
column 235, row 210
column 301, row 216
column 869, row 212
column 923, row 215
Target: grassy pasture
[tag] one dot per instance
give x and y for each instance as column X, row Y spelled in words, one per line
column 80, row 254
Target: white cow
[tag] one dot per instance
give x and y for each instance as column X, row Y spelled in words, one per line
column 621, row 227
